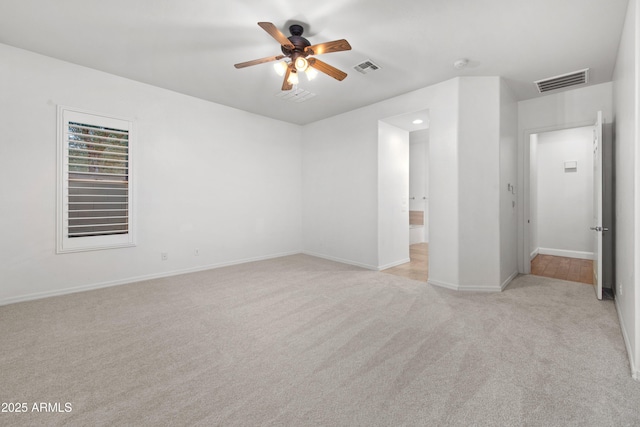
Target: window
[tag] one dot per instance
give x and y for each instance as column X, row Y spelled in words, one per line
column 95, row 193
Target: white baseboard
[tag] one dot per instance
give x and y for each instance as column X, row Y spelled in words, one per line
column 635, row 373
column 481, row 288
column 471, row 288
column 565, row 253
column 442, row 284
column 340, row 260
column 128, row 280
column 509, row 279
column 534, row 254
column 394, row 264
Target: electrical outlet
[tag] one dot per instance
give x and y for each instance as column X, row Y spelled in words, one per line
column 164, row 256
column 619, row 288
column 196, row 252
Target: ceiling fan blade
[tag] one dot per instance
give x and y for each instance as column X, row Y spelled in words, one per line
column 327, row 69
column 259, row 61
column 328, row 47
column 276, row 34
column 285, row 84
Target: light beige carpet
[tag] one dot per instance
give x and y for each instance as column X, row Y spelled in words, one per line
column 300, row 341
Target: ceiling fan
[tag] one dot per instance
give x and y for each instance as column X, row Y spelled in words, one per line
column 298, row 50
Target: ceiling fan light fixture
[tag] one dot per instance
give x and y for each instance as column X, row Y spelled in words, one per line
column 280, row 67
column 311, row 73
column 301, row 63
column 293, row 78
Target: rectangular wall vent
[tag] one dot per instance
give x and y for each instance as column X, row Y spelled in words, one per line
column 563, row 81
column 366, row 66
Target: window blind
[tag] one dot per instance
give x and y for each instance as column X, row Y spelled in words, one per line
column 95, row 190
column 98, row 180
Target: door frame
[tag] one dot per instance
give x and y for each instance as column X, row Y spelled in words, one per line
column 598, row 188
column 526, row 190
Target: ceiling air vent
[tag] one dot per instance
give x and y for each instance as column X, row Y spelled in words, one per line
column 563, row 81
column 296, row 95
column 366, row 66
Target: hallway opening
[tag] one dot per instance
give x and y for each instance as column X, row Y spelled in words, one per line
column 418, row 267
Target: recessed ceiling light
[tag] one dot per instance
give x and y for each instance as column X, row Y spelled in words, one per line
column 418, row 121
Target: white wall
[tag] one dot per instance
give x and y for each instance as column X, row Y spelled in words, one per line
column 418, row 168
column 487, row 163
column 565, row 198
column 393, row 196
column 443, row 210
column 466, row 143
column 208, row 177
column 340, row 180
column 627, row 169
column 508, row 176
column 479, row 179
column 569, row 109
column 419, row 176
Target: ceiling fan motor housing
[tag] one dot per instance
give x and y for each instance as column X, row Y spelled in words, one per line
column 299, row 43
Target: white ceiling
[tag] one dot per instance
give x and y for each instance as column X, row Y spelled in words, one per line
column 191, row 46
column 406, row 121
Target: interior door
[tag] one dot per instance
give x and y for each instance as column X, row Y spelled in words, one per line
column 597, row 206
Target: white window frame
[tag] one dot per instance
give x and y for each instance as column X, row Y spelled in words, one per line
column 90, row 243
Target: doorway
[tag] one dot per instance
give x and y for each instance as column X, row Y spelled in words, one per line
column 416, row 125
column 561, row 204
